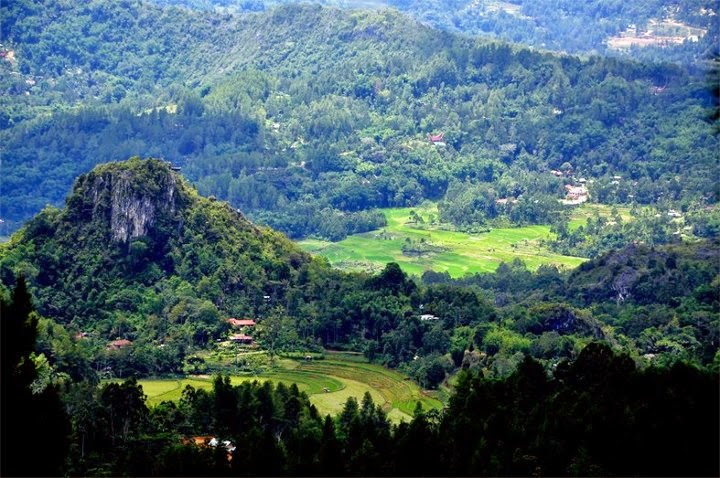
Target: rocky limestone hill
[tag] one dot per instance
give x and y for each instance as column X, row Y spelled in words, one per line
column 136, row 241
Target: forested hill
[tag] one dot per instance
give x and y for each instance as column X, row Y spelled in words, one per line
column 138, row 255
column 138, row 275
column 308, row 118
column 133, row 241
column 101, row 52
column 667, row 30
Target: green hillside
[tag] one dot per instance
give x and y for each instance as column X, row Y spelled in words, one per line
column 137, row 252
column 509, row 258
column 138, row 274
column 309, row 119
column 650, row 29
column 138, row 255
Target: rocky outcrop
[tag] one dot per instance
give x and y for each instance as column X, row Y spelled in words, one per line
column 133, row 213
column 130, row 201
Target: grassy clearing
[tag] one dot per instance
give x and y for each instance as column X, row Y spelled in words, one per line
column 332, row 403
column 159, row 390
column 581, row 214
column 459, row 253
column 328, row 383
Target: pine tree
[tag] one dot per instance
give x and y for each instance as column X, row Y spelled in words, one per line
column 32, row 423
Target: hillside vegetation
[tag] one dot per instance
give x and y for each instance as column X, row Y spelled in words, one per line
column 597, row 414
column 138, row 256
column 309, row 118
column 684, row 32
column 131, row 225
column 149, row 327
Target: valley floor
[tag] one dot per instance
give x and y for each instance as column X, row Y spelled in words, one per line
column 458, row 253
column 328, row 382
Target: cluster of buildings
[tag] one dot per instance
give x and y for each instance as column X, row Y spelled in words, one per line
column 575, row 194
column 244, row 326
column 209, row 441
column 241, row 334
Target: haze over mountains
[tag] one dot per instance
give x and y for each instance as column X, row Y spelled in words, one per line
column 324, row 113
column 685, row 32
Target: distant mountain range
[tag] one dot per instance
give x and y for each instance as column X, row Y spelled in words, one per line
column 662, row 30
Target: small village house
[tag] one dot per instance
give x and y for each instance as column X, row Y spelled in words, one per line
column 241, row 339
column 119, row 344
column 241, row 322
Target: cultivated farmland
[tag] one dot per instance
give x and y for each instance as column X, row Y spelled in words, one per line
column 329, row 383
column 458, row 253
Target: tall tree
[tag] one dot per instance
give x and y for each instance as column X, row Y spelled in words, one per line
column 276, row 332
column 28, row 417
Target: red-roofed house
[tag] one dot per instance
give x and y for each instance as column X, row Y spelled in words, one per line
column 241, row 322
column 436, row 138
column 241, row 339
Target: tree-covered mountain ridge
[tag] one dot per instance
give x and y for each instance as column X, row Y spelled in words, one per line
column 309, row 118
column 663, row 30
column 159, row 48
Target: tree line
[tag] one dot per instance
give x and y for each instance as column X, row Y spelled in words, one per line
column 595, row 415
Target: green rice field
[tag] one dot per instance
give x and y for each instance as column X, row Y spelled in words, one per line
column 458, row 253
column 581, row 214
column 328, row 383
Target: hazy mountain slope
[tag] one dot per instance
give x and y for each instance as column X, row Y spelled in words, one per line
column 667, row 30
column 100, row 52
column 307, row 118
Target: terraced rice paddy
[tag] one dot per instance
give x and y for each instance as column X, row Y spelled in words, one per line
column 329, row 383
column 458, row 253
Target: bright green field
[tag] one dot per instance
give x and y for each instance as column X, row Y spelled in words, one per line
column 581, row 214
column 461, row 253
column 343, row 379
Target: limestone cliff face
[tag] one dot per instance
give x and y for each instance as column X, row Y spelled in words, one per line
column 132, row 202
column 131, row 213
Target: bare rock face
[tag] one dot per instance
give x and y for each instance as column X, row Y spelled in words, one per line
column 132, row 213
column 132, row 204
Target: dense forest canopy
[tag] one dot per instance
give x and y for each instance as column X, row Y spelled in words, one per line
column 684, row 32
column 596, row 413
column 310, row 118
